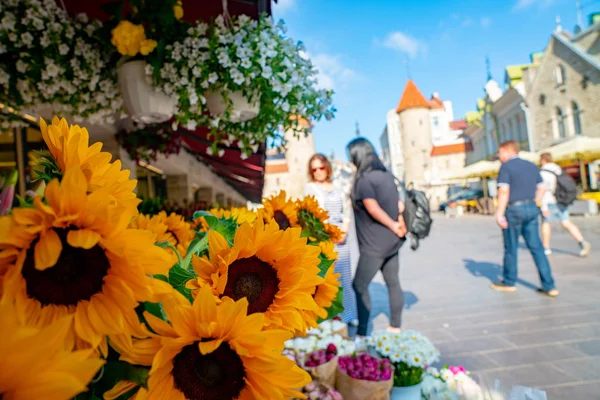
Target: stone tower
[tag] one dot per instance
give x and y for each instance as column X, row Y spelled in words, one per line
column 415, row 129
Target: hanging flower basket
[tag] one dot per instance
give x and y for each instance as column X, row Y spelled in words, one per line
column 142, row 102
column 242, row 108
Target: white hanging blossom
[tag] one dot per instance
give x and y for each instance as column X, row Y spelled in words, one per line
column 51, row 59
column 249, row 56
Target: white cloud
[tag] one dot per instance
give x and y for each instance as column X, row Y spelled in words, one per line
column 333, row 74
column 467, row 21
column 524, row 4
column 485, row 22
column 283, row 6
column 403, row 43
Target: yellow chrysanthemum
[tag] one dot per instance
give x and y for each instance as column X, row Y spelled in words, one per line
column 237, row 214
column 173, row 229
column 130, row 39
column 281, row 209
column 69, row 146
column 275, row 270
column 216, row 351
column 35, row 364
column 309, row 204
column 75, row 256
column 178, row 10
column 327, row 291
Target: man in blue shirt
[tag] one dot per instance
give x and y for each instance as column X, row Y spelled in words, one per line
column 520, row 191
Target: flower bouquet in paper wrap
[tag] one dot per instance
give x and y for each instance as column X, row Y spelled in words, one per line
column 322, row 364
column 364, row 377
column 319, row 391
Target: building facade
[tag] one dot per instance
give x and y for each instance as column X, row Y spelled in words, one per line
column 287, row 169
column 563, row 91
column 391, row 144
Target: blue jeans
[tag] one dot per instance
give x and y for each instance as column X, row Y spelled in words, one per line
column 524, row 220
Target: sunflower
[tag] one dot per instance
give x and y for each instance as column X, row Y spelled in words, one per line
column 34, row 363
column 313, row 220
column 237, row 214
column 282, row 210
column 275, row 270
column 328, row 250
column 75, row 256
column 327, row 291
column 172, row 229
column 69, row 146
column 217, row 351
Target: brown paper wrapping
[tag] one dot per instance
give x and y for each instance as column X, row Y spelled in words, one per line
column 357, row 389
column 342, row 332
column 324, row 373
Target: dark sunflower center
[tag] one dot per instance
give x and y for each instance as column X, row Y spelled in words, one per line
column 254, row 279
column 281, row 220
column 174, row 237
column 77, row 276
column 218, row 375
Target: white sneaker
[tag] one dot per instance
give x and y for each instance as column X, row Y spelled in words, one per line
column 548, row 252
column 585, row 249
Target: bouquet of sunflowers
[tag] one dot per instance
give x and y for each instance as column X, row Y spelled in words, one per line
column 98, row 301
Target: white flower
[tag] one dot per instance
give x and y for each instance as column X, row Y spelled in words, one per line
column 2, row 48
column 4, row 77
column 21, row 66
column 237, row 76
column 38, row 24
column 267, row 72
column 209, row 151
column 213, row 77
column 221, row 152
column 8, row 22
column 246, row 63
column 63, row 49
column 220, row 22
column 201, row 28
column 191, row 125
column 27, row 39
column 245, row 156
column 223, row 58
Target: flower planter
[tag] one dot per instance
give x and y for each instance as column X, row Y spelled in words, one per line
column 241, row 108
column 142, row 102
column 406, row 392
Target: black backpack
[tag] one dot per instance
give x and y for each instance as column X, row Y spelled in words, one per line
column 566, row 189
column 417, row 216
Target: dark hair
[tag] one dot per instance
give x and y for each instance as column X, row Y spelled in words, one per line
column 364, row 157
column 325, row 162
column 546, row 157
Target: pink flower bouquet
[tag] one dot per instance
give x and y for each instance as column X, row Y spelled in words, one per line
column 322, row 365
column 364, row 377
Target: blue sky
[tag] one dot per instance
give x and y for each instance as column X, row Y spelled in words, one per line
column 362, row 47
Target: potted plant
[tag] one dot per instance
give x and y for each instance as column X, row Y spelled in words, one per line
column 51, row 64
column 140, row 34
column 410, row 352
column 244, row 79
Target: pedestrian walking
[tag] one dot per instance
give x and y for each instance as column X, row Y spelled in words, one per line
column 332, row 200
column 520, row 192
column 553, row 211
column 380, row 229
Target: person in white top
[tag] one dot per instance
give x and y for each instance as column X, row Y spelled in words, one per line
column 552, row 211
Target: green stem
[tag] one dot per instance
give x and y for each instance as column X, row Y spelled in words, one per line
column 193, row 250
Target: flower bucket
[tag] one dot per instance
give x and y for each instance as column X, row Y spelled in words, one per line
column 142, row 102
column 241, row 108
column 358, row 389
column 406, row 392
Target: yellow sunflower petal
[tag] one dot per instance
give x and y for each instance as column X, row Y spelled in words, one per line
column 84, row 238
column 47, row 250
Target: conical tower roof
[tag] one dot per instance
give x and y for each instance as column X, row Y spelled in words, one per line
column 412, row 98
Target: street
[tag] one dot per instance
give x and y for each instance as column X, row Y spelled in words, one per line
column 517, row 338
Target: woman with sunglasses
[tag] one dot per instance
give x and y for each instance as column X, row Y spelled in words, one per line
column 333, row 200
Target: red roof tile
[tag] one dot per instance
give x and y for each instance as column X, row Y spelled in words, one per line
column 455, row 148
column 276, row 168
column 436, row 103
column 458, row 125
column 412, row 98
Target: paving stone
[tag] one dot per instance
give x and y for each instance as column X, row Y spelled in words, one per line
column 532, row 376
column 584, row 370
column 531, row 355
column 473, row 345
column 581, row 391
column 591, row 347
column 475, row 362
column 554, row 335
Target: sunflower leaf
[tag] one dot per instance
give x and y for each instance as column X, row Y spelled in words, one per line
column 337, row 307
column 179, row 276
column 324, row 265
column 210, row 219
column 155, row 309
column 227, row 228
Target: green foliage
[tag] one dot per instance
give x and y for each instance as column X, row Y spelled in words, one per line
column 324, row 265
column 46, row 169
column 405, row 375
column 312, row 227
column 337, row 307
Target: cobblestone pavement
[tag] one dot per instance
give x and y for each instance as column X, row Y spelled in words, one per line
column 518, row 338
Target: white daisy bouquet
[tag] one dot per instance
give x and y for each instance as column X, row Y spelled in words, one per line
column 48, row 59
column 410, row 352
column 253, row 57
column 309, row 344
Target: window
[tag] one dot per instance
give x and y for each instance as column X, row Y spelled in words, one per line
column 502, row 132
column 412, row 143
column 576, row 118
column 436, row 122
column 511, row 132
column 560, row 74
column 560, row 121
